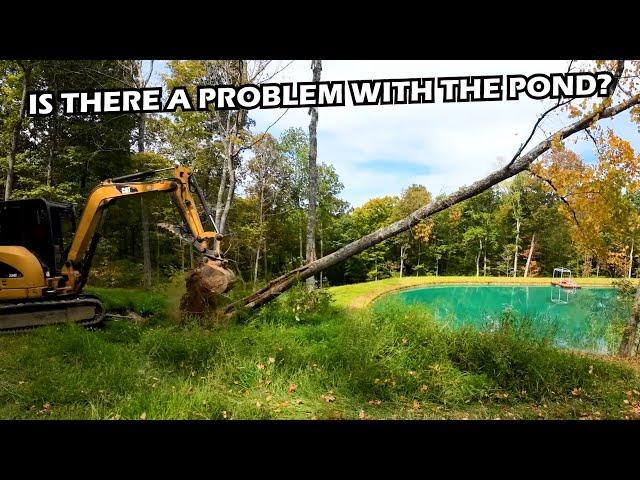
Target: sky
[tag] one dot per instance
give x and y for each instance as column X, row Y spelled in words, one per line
column 381, row 150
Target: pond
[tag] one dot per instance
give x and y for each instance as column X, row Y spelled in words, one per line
column 582, row 319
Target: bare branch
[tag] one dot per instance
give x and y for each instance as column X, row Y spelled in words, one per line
column 561, row 197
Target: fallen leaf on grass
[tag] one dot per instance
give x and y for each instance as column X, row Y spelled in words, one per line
column 260, row 366
column 374, row 402
column 292, row 388
column 328, row 398
column 272, row 360
column 143, row 416
column 576, row 392
column 362, row 415
column 46, row 409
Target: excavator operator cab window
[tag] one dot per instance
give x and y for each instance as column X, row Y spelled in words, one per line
column 42, row 227
column 62, row 228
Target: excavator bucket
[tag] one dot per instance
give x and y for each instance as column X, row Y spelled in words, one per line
column 206, row 285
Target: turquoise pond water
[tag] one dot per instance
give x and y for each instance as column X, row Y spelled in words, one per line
column 584, row 320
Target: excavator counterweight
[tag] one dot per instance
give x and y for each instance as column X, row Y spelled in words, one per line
column 45, row 258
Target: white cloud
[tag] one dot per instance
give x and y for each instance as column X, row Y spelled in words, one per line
column 455, row 142
column 442, row 146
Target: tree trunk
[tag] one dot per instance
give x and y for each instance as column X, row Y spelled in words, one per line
column 519, row 164
column 316, row 66
column 232, row 184
column 401, row 259
column 157, row 255
column 301, row 244
column 515, row 255
column 631, row 258
column 484, row 265
column 630, row 333
column 321, row 252
column 54, row 144
column 526, row 268
column 182, row 253
column 146, row 248
column 17, row 127
column 255, row 267
column 478, row 260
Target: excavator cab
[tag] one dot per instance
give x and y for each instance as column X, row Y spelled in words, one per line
column 44, row 228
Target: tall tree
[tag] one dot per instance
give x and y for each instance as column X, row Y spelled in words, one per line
column 316, row 66
column 27, row 68
column 140, row 80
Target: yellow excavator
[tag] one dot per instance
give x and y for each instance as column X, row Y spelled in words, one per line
column 45, row 260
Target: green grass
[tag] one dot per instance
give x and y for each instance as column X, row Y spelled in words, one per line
column 360, row 295
column 122, row 300
column 302, row 358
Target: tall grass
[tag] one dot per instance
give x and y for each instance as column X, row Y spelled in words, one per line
column 303, row 358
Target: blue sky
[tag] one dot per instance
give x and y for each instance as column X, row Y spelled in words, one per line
column 380, row 150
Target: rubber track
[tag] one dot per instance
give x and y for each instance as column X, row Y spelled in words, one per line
column 39, row 306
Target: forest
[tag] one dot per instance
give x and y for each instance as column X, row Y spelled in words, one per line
column 565, row 211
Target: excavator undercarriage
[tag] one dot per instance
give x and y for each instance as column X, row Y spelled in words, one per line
column 45, row 258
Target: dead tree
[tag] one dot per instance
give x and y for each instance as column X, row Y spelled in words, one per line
column 316, row 66
column 519, row 163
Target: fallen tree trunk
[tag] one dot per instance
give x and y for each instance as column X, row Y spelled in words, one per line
column 518, row 164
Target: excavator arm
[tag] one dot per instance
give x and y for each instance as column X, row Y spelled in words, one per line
column 179, row 185
column 31, row 297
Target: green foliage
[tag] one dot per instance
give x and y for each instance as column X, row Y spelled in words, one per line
column 121, row 300
column 297, row 306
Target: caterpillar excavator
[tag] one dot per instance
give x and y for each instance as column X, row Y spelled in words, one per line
column 45, row 258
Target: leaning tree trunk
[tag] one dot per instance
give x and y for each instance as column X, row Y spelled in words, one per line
column 519, row 164
column 630, row 333
column 316, row 66
column 526, row 268
column 17, row 128
column 515, row 255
